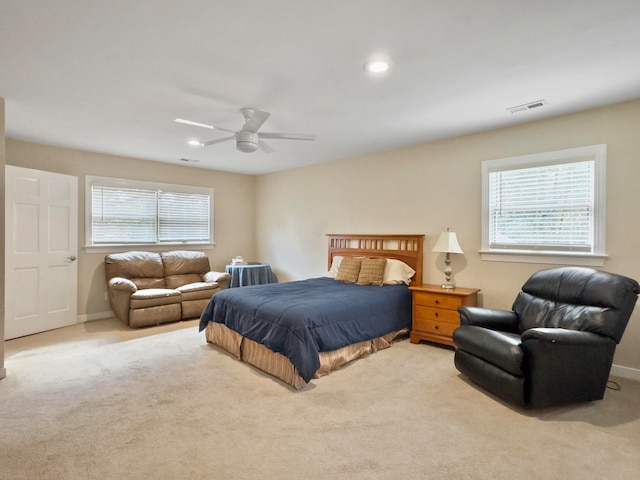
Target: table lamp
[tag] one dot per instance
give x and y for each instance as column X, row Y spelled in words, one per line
column 448, row 244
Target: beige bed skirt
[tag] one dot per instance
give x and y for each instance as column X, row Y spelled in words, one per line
column 279, row 366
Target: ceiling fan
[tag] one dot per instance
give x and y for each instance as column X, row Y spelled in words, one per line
column 248, row 139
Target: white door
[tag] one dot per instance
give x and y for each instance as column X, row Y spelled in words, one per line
column 41, row 246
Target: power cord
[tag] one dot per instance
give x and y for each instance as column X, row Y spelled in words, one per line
column 613, row 385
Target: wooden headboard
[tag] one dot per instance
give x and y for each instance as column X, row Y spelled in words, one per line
column 407, row 248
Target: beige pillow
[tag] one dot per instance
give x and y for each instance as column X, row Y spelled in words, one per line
column 349, row 269
column 372, row 271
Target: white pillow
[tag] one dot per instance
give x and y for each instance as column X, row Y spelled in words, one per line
column 395, row 271
column 335, row 264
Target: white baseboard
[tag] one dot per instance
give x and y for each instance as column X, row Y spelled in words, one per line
column 95, row 316
column 625, row 372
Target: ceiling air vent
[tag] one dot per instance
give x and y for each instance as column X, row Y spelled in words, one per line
column 528, row 106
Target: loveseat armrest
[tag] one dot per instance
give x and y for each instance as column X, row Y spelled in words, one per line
column 120, row 291
column 221, row 278
column 494, row 319
column 122, row 284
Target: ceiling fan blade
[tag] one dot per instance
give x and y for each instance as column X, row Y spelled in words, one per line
column 203, row 125
column 265, row 147
column 288, row 136
column 255, row 119
column 195, row 124
column 217, row 140
column 222, row 129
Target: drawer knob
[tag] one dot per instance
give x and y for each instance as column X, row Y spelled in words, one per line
column 437, row 302
column 436, row 314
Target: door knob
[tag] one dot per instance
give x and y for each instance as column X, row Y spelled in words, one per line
column 71, row 258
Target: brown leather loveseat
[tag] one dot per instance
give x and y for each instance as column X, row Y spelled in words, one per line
column 147, row 288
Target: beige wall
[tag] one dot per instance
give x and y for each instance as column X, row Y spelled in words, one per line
column 234, row 206
column 429, row 187
column 282, row 218
column 2, row 163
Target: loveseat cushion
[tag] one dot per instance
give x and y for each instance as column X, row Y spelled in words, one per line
column 177, row 281
column 501, row 349
column 198, row 291
column 134, row 265
column 152, row 297
column 145, row 283
column 182, row 267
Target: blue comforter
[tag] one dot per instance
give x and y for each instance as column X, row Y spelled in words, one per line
column 299, row 319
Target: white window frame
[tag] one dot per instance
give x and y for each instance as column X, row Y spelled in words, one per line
column 597, row 255
column 139, row 184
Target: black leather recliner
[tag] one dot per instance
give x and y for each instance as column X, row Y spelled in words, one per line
column 556, row 346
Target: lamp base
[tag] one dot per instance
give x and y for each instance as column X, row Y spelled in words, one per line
column 447, row 273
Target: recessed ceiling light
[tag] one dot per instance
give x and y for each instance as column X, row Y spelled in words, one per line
column 195, row 143
column 376, row 66
column 189, row 160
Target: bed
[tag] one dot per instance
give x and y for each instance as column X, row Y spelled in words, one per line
column 300, row 330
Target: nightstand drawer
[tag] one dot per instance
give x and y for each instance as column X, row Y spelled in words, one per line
column 430, row 326
column 436, row 314
column 436, row 300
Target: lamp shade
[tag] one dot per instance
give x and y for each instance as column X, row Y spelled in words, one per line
column 447, row 242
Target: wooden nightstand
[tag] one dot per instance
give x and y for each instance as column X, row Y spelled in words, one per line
column 435, row 315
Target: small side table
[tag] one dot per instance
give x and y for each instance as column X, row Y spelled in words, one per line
column 435, row 315
column 252, row 273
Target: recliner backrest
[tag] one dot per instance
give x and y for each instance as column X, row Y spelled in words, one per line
column 577, row 298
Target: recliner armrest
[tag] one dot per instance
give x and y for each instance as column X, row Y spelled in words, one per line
column 564, row 366
column 503, row 320
column 564, row 336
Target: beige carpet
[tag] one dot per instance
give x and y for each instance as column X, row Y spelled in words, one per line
column 98, row 401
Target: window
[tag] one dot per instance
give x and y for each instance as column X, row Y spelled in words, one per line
column 126, row 212
column 545, row 208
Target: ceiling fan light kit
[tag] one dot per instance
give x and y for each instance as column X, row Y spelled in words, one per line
column 248, row 139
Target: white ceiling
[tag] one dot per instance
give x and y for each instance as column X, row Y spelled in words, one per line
column 111, row 76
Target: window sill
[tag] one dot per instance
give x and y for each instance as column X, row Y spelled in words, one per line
column 564, row 258
column 150, row 247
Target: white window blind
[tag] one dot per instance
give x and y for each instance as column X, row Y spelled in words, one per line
column 123, row 215
column 183, row 217
column 134, row 212
column 543, row 207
